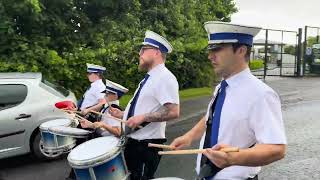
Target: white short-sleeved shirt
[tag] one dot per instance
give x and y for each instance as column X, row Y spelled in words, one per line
column 110, row 121
column 93, row 94
column 251, row 114
column 160, row 88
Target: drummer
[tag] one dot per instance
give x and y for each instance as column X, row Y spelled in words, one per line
column 113, row 93
column 93, row 99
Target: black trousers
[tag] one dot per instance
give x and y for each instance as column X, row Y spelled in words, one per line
column 142, row 161
column 254, row 178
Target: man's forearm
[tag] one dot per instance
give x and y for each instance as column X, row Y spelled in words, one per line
column 165, row 113
column 259, row 155
column 96, row 107
column 198, row 130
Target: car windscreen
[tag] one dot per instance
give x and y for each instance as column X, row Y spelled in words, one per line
column 56, row 87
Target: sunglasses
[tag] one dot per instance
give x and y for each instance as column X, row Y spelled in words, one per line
column 145, row 48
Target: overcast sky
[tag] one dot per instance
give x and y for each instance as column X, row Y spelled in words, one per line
column 278, row 14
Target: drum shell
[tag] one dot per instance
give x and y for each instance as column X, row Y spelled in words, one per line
column 114, row 167
column 53, row 143
column 106, row 165
column 56, row 143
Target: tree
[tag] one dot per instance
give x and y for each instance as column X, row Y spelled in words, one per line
column 59, row 37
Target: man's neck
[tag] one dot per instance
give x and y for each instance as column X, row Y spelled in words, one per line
column 155, row 65
column 236, row 71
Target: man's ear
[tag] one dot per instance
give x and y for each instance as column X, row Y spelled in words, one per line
column 242, row 50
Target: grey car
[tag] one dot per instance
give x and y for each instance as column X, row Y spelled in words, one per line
column 26, row 101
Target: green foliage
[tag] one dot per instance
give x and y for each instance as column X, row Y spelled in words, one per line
column 312, row 40
column 256, row 64
column 184, row 94
column 59, row 37
column 290, row 50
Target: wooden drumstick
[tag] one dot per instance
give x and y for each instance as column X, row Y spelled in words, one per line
column 117, row 119
column 161, row 146
column 196, row 151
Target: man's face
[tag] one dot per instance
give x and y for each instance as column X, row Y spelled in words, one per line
column 111, row 96
column 147, row 54
column 92, row 76
column 222, row 59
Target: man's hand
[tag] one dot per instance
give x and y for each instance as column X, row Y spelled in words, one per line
column 85, row 112
column 98, row 124
column 135, row 121
column 115, row 112
column 219, row 158
column 86, row 124
column 182, row 142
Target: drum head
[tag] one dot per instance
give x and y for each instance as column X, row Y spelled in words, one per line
column 94, row 151
column 68, row 131
column 57, row 122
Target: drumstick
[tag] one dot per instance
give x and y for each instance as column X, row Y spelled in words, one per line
column 161, row 146
column 196, row 151
column 120, row 120
column 70, row 111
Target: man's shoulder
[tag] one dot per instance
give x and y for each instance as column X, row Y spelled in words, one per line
column 166, row 73
column 259, row 87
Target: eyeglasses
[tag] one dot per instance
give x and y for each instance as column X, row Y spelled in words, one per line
column 145, row 48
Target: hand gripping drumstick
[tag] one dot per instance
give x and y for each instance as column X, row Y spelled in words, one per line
column 80, row 118
column 120, row 120
column 196, row 151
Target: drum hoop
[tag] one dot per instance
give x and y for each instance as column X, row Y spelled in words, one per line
column 47, row 128
column 53, row 149
column 84, row 164
column 81, row 134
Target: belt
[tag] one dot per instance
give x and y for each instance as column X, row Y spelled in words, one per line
column 146, row 141
column 253, row 178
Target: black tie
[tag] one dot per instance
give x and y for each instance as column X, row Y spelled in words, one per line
column 208, row 169
column 134, row 102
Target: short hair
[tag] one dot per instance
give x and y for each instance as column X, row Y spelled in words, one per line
column 164, row 56
column 236, row 46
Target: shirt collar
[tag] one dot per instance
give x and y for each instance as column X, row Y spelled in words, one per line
column 156, row 69
column 96, row 82
column 238, row 78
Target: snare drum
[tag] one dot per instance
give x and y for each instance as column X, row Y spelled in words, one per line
column 48, row 140
column 65, row 137
column 99, row 159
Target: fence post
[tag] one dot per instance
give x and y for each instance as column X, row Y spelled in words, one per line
column 299, row 52
column 304, row 49
column 265, row 56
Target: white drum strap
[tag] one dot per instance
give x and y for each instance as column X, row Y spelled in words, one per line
column 92, row 174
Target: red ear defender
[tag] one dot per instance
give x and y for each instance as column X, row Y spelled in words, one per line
column 68, row 105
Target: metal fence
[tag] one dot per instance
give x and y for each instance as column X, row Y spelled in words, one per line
column 279, row 52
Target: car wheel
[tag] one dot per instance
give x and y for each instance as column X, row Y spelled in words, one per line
column 37, row 149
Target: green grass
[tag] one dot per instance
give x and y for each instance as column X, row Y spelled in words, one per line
column 184, row 95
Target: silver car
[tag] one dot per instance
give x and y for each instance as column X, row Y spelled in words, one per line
column 26, row 101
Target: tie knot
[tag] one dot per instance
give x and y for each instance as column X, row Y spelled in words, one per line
column 224, row 84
